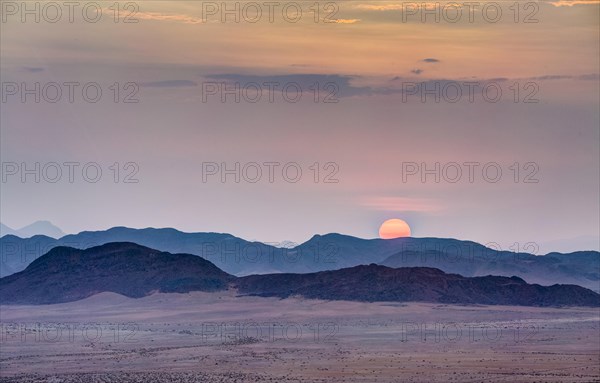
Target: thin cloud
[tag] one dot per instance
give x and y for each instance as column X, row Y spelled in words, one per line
column 402, row 204
column 551, row 77
column 570, row 3
column 179, row 18
column 344, row 85
column 430, row 60
column 380, row 7
column 340, row 85
column 33, row 69
column 345, row 21
column 169, row 84
column 585, row 77
column 398, row 6
column 591, row 76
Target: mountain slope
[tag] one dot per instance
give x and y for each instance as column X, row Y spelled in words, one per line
column 380, row 283
column 66, row 274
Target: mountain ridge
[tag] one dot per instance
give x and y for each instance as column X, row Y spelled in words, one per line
column 45, row 228
column 66, row 274
column 324, row 252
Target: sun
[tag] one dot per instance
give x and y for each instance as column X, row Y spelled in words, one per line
column 394, row 228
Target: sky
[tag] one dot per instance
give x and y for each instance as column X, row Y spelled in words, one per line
column 477, row 124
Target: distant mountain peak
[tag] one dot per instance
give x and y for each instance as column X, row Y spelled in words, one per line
column 41, row 227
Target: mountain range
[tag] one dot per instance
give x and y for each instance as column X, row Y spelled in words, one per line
column 324, row 252
column 67, row 274
column 37, row 228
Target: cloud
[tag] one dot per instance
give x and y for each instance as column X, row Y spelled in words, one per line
column 334, row 84
column 382, row 7
column 345, row 21
column 179, row 18
column 398, row 84
column 169, row 84
column 345, row 85
column 402, row 6
column 430, row 60
column 570, row 3
column 402, row 204
column 589, row 76
column 33, row 69
column 551, row 77
column 412, row 86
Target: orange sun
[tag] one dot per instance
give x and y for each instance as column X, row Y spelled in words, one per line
column 394, row 228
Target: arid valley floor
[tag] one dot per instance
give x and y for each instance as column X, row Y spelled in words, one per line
column 218, row 337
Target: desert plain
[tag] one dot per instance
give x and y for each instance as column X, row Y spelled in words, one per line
column 222, row 337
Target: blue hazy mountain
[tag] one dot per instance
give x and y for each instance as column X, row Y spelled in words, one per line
column 324, row 252
column 46, row 228
column 5, row 230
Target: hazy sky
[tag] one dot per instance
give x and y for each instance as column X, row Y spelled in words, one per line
column 381, row 63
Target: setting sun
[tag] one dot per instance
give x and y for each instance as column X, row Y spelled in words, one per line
column 394, row 228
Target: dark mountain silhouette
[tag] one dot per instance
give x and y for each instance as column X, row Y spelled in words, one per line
column 579, row 268
column 66, row 274
column 325, row 252
column 379, row 283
